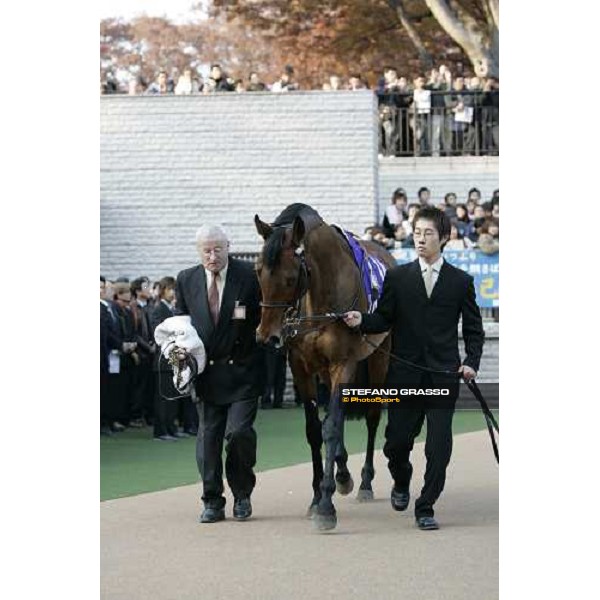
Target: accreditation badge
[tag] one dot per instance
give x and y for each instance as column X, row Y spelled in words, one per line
column 239, row 311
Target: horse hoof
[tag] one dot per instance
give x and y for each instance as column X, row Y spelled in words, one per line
column 365, row 495
column 312, row 511
column 324, row 522
column 344, row 488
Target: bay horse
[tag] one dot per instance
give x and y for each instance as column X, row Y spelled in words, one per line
column 307, row 272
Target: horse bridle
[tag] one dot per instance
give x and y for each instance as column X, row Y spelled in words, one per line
column 302, row 284
column 292, row 319
column 291, row 315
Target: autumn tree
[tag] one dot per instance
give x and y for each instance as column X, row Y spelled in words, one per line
column 369, row 33
column 475, row 27
column 147, row 45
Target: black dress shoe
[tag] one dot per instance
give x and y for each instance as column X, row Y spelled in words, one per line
column 427, row 523
column 242, row 509
column 212, row 515
column 399, row 499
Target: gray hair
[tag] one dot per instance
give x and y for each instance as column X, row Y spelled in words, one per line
column 211, row 232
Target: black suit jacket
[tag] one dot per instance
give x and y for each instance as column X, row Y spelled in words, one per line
column 425, row 330
column 144, row 335
column 231, row 372
column 158, row 313
column 109, row 337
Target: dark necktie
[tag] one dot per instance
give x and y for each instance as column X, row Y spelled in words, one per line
column 213, row 298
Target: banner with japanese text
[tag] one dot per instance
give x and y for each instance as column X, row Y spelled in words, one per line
column 484, row 268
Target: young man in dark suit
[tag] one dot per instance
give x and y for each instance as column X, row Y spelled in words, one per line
column 222, row 296
column 422, row 303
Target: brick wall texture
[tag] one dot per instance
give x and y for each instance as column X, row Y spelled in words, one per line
column 169, row 164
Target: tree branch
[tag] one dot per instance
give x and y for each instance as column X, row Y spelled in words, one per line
column 414, row 36
column 495, row 11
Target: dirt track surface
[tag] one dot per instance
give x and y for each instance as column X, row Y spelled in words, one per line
column 154, row 548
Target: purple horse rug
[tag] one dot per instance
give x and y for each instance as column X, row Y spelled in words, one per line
column 372, row 270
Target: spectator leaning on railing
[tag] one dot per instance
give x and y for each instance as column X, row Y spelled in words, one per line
column 395, row 213
column 421, row 117
column 255, row 84
column 286, row 82
column 186, row 85
column 160, row 86
column 217, row 82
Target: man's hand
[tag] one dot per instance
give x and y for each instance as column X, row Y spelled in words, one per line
column 467, row 372
column 353, row 318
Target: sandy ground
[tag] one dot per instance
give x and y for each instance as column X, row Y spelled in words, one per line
column 154, row 548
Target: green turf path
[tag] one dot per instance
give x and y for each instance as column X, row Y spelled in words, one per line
column 133, row 463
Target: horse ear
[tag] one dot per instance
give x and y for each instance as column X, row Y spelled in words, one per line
column 298, row 231
column 264, row 229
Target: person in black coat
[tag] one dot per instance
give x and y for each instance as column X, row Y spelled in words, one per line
column 143, row 382
column 222, row 296
column 129, row 358
column 109, row 340
column 166, row 397
column 422, row 303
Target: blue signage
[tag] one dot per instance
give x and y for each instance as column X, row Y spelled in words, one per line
column 484, row 268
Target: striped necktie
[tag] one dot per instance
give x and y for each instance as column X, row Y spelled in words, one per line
column 213, row 298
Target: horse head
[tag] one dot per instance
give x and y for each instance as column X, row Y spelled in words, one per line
column 282, row 276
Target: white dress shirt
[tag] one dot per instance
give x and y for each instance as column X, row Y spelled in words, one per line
column 111, row 312
column 437, row 266
column 220, row 282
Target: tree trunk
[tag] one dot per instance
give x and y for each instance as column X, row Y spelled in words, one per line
column 478, row 39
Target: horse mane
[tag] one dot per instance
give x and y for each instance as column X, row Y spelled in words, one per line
column 289, row 213
column 274, row 243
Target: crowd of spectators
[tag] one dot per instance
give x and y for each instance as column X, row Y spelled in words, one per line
column 136, row 387
column 475, row 224
column 442, row 114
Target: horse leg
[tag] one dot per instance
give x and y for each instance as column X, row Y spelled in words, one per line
column 315, row 440
column 377, row 369
column 307, row 391
column 326, row 518
column 365, row 492
column 344, row 483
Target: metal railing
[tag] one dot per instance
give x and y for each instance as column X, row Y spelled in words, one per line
column 439, row 124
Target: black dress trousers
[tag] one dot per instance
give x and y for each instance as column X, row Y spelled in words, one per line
column 233, row 422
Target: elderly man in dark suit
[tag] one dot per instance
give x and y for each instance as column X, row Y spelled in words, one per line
column 222, row 296
column 422, row 303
